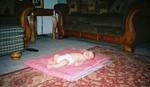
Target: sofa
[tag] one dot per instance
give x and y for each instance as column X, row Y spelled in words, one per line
column 14, row 27
column 11, row 39
column 15, row 12
column 123, row 22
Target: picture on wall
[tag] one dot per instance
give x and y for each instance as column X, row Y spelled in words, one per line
column 38, row 3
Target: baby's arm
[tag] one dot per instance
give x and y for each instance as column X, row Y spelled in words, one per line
column 78, row 63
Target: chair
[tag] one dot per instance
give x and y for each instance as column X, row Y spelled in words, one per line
column 14, row 27
column 11, row 39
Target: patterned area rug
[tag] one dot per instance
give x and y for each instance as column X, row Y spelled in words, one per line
column 127, row 70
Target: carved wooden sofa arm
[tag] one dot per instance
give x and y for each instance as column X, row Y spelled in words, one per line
column 129, row 36
column 26, row 25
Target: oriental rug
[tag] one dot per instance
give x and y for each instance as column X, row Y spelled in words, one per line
column 126, row 70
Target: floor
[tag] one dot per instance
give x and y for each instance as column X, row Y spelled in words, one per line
column 46, row 45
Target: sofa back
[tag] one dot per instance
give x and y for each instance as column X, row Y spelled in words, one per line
column 10, row 11
column 13, row 7
column 97, row 6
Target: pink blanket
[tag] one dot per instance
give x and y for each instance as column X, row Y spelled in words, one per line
column 70, row 72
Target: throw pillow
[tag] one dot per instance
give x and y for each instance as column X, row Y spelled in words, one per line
column 91, row 6
column 73, row 7
column 117, row 6
column 84, row 7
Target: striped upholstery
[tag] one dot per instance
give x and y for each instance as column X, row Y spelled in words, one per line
column 11, row 39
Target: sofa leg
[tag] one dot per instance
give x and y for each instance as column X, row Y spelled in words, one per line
column 127, row 48
column 15, row 55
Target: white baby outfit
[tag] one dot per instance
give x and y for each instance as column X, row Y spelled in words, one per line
column 66, row 57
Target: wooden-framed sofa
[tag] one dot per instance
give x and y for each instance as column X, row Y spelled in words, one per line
column 113, row 21
column 14, row 26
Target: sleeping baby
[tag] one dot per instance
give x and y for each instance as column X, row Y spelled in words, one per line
column 70, row 59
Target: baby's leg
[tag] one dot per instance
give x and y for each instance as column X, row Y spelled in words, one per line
column 78, row 63
column 57, row 65
column 51, row 62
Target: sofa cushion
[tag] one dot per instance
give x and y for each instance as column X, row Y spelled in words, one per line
column 102, row 6
column 117, row 6
column 94, row 20
column 105, row 20
column 92, row 7
column 108, row 30
column 120, row 6
column 13, row 7
column 84, row 7
column 73, row 6
column 12, row 19
column 88, row 6
column 95, row 24
column 11, row 11
column 11, row 39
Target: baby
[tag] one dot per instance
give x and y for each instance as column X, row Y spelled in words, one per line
column 70, row 59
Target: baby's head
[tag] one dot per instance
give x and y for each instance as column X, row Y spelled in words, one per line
column 89, row 54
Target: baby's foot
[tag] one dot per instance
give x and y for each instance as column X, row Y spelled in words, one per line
column 77, row 64
column 51, row 62
column 49, row 66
